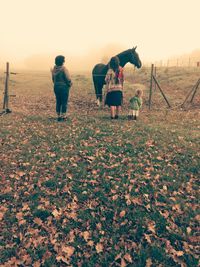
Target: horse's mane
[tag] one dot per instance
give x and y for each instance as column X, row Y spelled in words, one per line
column 123, row 53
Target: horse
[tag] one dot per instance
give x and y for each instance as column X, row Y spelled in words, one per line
column 99, row 71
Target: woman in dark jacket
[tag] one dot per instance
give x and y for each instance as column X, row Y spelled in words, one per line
column 62, row 83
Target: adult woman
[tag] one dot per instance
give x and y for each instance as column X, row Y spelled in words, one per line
column 62, row 83
column 114, row 83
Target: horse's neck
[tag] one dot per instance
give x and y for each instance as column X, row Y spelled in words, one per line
column 123, row 58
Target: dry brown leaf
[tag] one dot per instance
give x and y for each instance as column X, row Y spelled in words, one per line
column 37, row 264
column 99, row 247
column 147, row 237
column 151, row 226
column 122, row 213
column 19, row 215
column 86, row 235
column 62, row 258
column 21, row 173
column 90, row 243
column 37, row 221
column 123, row 263
column 114, row 197
column 136, row 201
column 2, row 212
column 197, row 217
column 56, row 213
column 148, row 262
column 68, row 250
column 179, row 253
column 128, row 257
column 118, row 256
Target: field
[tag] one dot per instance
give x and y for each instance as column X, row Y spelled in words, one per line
column 96, row 192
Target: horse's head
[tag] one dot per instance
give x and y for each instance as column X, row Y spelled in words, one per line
column 134, row 58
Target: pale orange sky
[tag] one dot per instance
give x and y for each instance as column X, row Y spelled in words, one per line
column 159, row 28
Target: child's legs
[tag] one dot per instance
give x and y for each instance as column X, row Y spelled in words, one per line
column 135, row 113
column 130, row 112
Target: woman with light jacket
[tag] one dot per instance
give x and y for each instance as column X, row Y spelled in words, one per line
column 114, row 86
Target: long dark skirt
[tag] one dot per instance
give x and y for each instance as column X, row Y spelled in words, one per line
column 114, row 98
column 62, row 94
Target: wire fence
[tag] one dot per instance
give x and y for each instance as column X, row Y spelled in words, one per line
column 176, row 62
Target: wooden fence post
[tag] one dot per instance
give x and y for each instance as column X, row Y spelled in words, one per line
column 193, row 92
column 161, row 92
column 6, row 96
column 151, row 83
column 155, row 70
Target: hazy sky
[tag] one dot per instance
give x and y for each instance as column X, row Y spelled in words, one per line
column 159, row 28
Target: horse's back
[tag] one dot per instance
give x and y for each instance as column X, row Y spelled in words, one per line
column 98, row 68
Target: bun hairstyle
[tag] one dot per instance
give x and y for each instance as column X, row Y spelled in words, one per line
column 59, row 60
column 139, row 93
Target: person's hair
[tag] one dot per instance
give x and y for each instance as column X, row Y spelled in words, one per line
column 59, row 60
column 139, row 93
column 114, row 63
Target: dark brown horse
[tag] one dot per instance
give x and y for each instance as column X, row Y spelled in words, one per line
column 99, row 71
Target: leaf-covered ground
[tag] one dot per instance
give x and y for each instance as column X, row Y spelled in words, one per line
column 95, row 192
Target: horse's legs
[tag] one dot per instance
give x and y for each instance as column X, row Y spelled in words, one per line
column 98, row 92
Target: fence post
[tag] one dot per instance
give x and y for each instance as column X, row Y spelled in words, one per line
column 155, row 72
column 151, row 83
column 6, row 96
column 195, row 90
column 161, row 92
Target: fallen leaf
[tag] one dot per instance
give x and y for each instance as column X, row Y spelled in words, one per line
column 148, row 262
column 99, row 247
column 68, row 250
column 123, row 263
column 86, row 235
column 122, row 213
column 151, row 226
column 128, row 257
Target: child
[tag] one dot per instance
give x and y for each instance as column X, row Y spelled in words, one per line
column 135, row 104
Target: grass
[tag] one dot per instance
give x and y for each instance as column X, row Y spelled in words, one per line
column 91, row 192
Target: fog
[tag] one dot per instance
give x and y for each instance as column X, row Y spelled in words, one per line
column 85, row 62
column 74, row 62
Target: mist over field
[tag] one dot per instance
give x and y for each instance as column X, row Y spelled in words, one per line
column 83, row 61
column 72, row 61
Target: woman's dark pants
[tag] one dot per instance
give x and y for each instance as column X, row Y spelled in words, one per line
column 62, row 94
